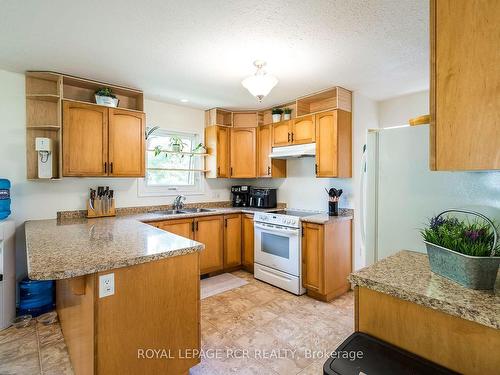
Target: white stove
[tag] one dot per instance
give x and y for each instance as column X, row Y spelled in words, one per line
column 277, row 250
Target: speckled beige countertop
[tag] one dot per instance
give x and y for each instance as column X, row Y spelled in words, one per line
column 74, row 246
column 407, row 275
column 324, row 218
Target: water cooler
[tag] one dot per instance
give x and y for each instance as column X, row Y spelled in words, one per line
column 7, row 274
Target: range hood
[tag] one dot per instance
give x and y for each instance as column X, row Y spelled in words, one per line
column 296, row 151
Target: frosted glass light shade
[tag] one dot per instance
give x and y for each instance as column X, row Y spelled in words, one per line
column 260, row 84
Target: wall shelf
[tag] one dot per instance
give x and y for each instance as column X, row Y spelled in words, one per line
column 43, row 127
column 182, row 153
column 45, row 97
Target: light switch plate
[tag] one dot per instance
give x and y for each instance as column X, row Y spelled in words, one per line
column 106, row 285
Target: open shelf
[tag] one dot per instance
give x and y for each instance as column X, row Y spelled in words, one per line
column 218, row 116
column 43, row 127
column 44, row 97
column 181, row 153
column 99, row 105
column 82, row 90
column 334, row 98
column 179, row 169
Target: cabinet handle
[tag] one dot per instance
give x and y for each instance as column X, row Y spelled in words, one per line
column 111, row 167
column 218, row 171
column 231, row 174
column 316, row 168
column 268, row 170
column 197, row 226
column 225, row 223
column 292, row 136
column 192, row 226
column 288, row 137
column 105, row 167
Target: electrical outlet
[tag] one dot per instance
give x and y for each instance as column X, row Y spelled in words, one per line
column 106, row 285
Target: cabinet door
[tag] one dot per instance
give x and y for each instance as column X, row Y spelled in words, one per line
column 223, row 139
column 248, row 241
column 281, row 134
column 209, row 230
column 303, row 130
column 333, row 144
column 232, row 240
column 313, row 257
column 85, row 140
column 243, row 153
column 181, row 227
column 326, row 145
column 126, row 143
column 465, row 85
column 267, row 167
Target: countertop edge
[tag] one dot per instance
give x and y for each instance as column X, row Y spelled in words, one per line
column 422, row 300
column 60, row 275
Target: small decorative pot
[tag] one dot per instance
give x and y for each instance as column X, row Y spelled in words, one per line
column 277, row 118
column 106, row 100
column 176, row 148
column 287, row 116
column 470, row 271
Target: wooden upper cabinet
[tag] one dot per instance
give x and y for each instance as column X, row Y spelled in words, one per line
column 85, row 140
column 334, row 144
column 232, row 240
column 465, row 85
column 281, row 133
column 247, row 247
column 303, row 130
column 267, row 167
column 243, row 153
column 217, row 140
column 209, row 230
column 313, row 257
column 126, row 143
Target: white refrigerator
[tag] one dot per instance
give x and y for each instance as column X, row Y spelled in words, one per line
column 400, row 193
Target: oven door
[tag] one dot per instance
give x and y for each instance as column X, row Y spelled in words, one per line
column 278, row 247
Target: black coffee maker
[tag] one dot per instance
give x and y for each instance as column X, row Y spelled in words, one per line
column 240, row 195
column 263, row 197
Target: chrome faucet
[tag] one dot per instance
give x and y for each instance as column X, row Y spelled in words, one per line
column 178, row 202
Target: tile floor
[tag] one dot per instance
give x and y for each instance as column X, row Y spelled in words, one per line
column 34, row 350
column 253, row 329
column 260, row 329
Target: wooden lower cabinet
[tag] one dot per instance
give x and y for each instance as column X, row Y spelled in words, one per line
column 181, row 227
column 455, row 343
column 326, row 258
column 232, row 241
column 107, row 335
column 247, row 245
column 209, row 230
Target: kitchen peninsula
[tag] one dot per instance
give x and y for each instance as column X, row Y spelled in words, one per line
column 152, row 302
column 399, row 300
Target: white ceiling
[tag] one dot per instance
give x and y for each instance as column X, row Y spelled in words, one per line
column 200, row 50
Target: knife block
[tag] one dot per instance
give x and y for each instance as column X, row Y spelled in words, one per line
column 99, row 211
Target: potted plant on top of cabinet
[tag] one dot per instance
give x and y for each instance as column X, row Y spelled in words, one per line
column 276, row 112
column 287, row 114
column 105, row 96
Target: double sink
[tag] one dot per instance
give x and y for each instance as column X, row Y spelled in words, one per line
column 183, row 211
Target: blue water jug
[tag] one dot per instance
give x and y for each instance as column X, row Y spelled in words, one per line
column 4, row 198
column 36, row 297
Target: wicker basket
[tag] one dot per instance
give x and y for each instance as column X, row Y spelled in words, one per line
column 470, row 271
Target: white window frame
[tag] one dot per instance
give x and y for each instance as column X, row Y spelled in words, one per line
column 143, row 190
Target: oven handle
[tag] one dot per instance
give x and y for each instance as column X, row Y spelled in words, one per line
column 276, row 230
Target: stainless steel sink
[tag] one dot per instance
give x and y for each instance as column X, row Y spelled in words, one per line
column 169, row 212
column 196, row 210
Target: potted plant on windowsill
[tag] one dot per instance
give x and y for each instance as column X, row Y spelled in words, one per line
column 287, row 114
column 105, row 96
column 176, row 144
column 463, row 251
column 200, row 149
column 276, row 112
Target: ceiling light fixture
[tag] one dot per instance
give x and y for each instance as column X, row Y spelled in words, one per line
column 261, row 83
column 184, row 100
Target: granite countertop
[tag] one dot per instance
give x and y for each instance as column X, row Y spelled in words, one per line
column 407, row 275
column 324, row 218
column 74, row 246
